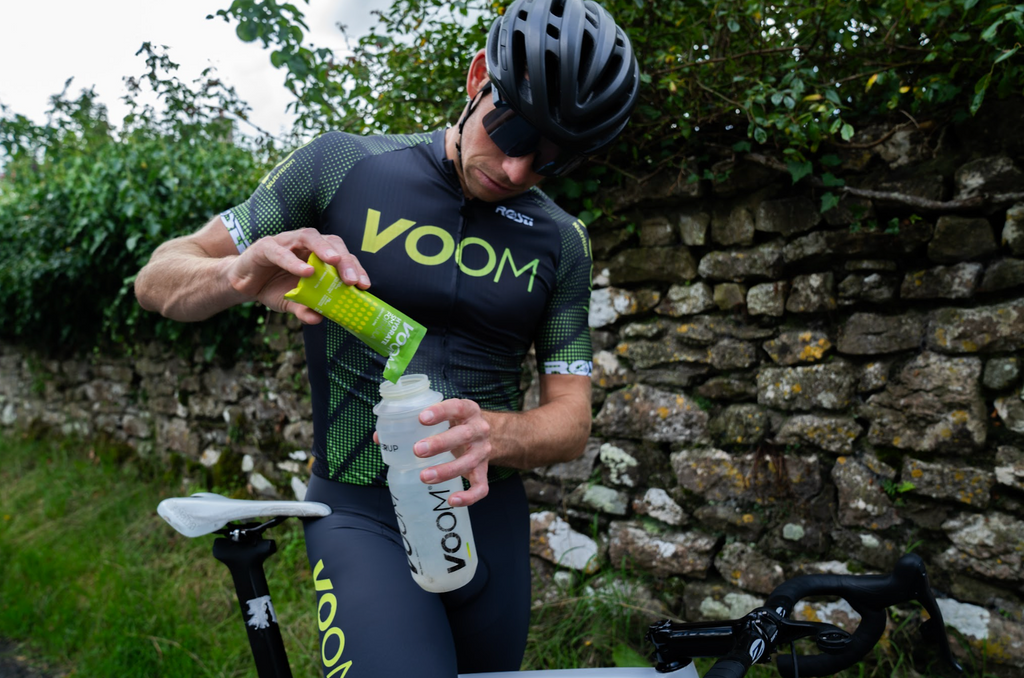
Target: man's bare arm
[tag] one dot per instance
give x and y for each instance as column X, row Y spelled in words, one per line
column 198, row 275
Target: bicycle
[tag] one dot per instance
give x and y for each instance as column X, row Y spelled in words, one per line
column 738, row 643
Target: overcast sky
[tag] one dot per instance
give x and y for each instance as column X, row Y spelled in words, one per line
column 45, row 42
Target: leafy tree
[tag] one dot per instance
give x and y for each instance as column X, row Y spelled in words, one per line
column 82, row 206
column 797, row 77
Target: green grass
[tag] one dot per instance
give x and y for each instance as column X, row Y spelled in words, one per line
column 94, row 583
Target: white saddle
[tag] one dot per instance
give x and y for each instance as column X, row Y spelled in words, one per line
column 206, row 512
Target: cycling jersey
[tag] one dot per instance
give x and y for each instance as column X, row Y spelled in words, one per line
column 486, row 279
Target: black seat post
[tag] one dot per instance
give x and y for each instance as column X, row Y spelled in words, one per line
column 243, row 552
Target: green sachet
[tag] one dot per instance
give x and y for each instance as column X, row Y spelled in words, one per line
column 386, row 330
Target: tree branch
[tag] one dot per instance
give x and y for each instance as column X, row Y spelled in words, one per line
column 917, row 202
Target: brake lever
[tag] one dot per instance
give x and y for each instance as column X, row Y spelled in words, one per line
column 829, row 639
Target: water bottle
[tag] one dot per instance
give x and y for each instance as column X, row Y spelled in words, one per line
column 438, row 538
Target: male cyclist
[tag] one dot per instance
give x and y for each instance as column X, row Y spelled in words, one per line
column 451, row 230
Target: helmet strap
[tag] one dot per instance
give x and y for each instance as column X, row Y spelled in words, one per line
column 474, row 102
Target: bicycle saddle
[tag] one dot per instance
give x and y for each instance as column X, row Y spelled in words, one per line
column 206, row 512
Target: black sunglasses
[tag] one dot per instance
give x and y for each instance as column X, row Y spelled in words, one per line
column 516, row 137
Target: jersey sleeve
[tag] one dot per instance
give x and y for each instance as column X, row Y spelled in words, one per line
column 563, row 342
column 293, row 194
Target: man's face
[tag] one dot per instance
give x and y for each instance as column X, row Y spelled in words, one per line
column 487, row 173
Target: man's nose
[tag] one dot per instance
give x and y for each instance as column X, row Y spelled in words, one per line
column 519, row 170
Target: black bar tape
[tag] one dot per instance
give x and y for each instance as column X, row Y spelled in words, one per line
column 868, row 633
column 727, row 668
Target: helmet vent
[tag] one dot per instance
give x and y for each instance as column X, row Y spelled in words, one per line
column 553, row 84
column 607, row 80
column 558, row 8
column 553, row 31
column 586, row 57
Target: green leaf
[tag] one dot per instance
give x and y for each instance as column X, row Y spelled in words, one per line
column 246, row 31
column 828, row 201
column 982, row 84
column 625, row 656
column 989, row 33
column 831, row 180
column 847, row 132
column 830, row 160
column 1007, row 54
column 741, row 147
column 760, row 136
column 734, row 25
column 799, row 170
column 969, row 4
column 976, row 102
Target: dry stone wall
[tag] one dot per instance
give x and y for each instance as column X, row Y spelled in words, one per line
column 777, row 390
column 780, row 390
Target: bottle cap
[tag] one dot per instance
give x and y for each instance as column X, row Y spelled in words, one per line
column 406, row 386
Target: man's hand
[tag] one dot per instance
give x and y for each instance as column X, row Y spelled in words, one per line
column 468, row 438
column 272, row 266
column 198, row 275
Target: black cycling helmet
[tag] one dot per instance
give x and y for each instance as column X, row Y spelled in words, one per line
column 565, row 67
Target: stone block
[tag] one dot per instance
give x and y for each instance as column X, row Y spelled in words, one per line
column 812, row 293
column 649, row 413
column 999, row 327
column 693, row 228
column 1001, row 373
column 829, row 386
column 747, row 479
column 763, row 261
column 610, row 304
column 664, row 555
column 1013, row 229
column 735, row 227
column 872, row 287
column 959, row 239
column 862, row 501
column 934, row 404
column 942, row 282
column 788, row 216
column 730, row 296
column 742, row 566
column 873, row 334
column 657, row 232
column 651, row 264
column 945, row 480
column 554, row 540
column 991, row 175
column 745, row 424
column 1003, row 274
column 687, row 300
column 767, row 299
column 795, row 347
column 826, row 432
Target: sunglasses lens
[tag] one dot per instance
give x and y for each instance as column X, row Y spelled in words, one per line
column 510, row 132
column 550, row 160
column 516, row 137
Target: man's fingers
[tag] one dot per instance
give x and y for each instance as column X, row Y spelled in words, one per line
column 306, row 315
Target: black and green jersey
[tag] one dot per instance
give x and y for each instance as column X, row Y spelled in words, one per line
column 487, row 280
